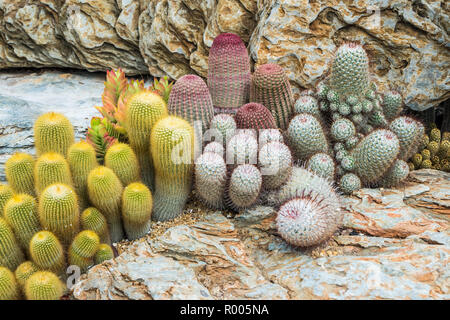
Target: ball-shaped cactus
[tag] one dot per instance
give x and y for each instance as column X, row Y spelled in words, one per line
column 85, row 244
column 407, row 131
column 222, row 128
column 322, row 164
column 105, row 193
column 19, row 169
column 306, row 136
column 103, row 253
column 6, row 193
column 11, row 256
column 396, row 174
column 137, row 204
column 244, row 186
column 44, row 285
column 275, row 163
column 435, row 135
column 51, row 168
column 47, row 252
column 121, row 159
column 392, row 104
column 254, row 116
column 24, row 271
column 210, row 179
column 59, row 212
column 349, row 182
column 242, row 149
column 214, row 147
column 433, row 147
column 229, row 73
column 270, row 135
column 307, row 104
column 342, row 129
column 9, row 289
column 53, row 132
column 92, row 219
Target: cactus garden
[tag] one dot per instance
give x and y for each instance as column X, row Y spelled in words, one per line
column 231, row 144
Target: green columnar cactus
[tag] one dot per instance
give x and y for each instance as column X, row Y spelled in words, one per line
column 59, row 212
column 190, row 99
column 244, row 186
column 137, row 204
column 349, row 182
column 242, row 149
column 24, row 272
column 223, row 127
column 51, row 168
column 11, row 256
column 172, row 150
column 306, row 136
column 85, row 244
column 407, row 131
column 47, row 252
column 322, row 164
column 21, row 214
column 270, row 87
column 275, row 163
column 307, row 104
column 6, row 193
column 254, row 116
column 9, row 290
column 103, row 253
column 121, row 159
column 82, row 159
column 44, row 285
column 92, row 219
column 210, row 179
column 396, row 174
column 342, row 130
column 374, row 154
column 19, row 169
column 53, row 132
column 392, row 104
column 105, row 193
column 144, row 109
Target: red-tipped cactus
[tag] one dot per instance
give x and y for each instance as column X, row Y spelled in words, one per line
column 229, row 72
column 254, row 116
column 190, row 99
column 270, row 87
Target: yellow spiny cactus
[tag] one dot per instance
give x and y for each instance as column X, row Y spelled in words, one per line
column 11, row 256
column 51, row 168
column 121, row 159
column 9, row 290
column 47, row 252
column 137, row 204
column 6, row 193
column 93, row 219
column 103, row 253
column 53, row 132
column 83, row 249
column 19, row 169
column 24, row 271
column 44, row 285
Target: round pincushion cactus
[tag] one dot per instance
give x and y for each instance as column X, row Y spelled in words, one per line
column 24, row 271
column 244, row 186
column 137, row 204
column 11, row 256
column 19, row 169
column 51, row 168
column 9, row 289
column 229, row 73
column 349, row 182
column 47, row 252
column 275, row 162
column 392, row 104
column 270, row 87
column 242, row 149
column 121, row 159
column 407, row 131
column 93, row 219
column 6, row 193
column 215, row 147
column 342, row 129
column 210, row 179
column 322, row 164
column 306, row 136
column 103, row 253
column 44, row 285
column 190, row 99
column 396, row 174
column 307, row 104
column 270, row 135
column 254, row 116
column 223, row 127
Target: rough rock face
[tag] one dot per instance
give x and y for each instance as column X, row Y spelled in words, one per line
column 406, row 39
column 395, row 245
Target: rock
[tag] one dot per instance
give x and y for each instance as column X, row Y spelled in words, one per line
column 406, row 39
column 242, row 257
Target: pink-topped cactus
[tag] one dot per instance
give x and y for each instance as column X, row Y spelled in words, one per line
column 190, row 99
column 254, row 116
column 229, row 73
column 270, row 87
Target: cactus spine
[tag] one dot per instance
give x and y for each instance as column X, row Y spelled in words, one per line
column 103, row 253
column 44, row 285
column 172, row 143
column 47, row 252
column 24, row 271
column 144, row 109
column 53, row 132
column 254, row 116
column 322, row 164
column 51, row 168
column 82, row 159
column 137, row 204
column 244, row 186
column 21, row 214
column 11, row 256
column 105, row 193
column 275, row 162
column 121, row 159
column 6, row 193
column 9, row 290
column 92, row 219
column 19, row 169
column 223, row 127
column 83, row 249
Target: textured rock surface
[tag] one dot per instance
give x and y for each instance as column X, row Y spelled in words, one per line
column 381, row 256
column 406, row 39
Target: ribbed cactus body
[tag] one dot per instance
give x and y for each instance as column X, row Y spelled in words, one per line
column 244, row 186
column 53, row 132
column 190, row 99
column 21, row 214
column 144, row 109
column 9, row 289
column 93, row 219
column 24, row 272
column 322, row 164
column 269, row 135
column 392, row 104
column 342, row 130
column 275, row 164
column 223, row 127
column 350, row 70
column 407, row 131
column 103, row 253
column 59, row 212
column 396, row 174
column 82, row 159
column 105, row 193
column 270, row 87
column 229, row 73
column 51, row 168
column 374, row 154
column 242, row 149
column 121, row 159
column 19, row 169
column 85, row 244
column 210, row 179
column 44, row 285
column 6, row 193
column 306, row 136
column 137, row 205
column 349, row 182
column 172, row 149
column 214, row 147
column 254, row 116
column 11, row 256
column 307, row 104
column 47, row 252
column 83, row 263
